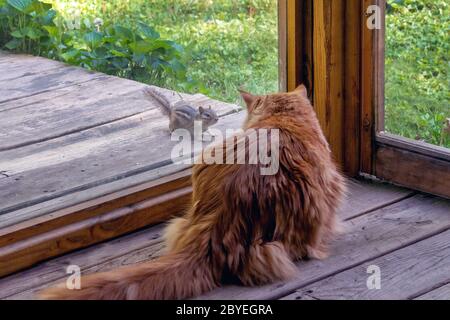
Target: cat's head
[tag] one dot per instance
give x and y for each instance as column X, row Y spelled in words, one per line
column 289, row 103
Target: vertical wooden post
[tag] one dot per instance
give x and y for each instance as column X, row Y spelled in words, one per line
column 296, row 43
column 372, row 86
column 305, row 47
column 292, row 45
column 367, row 115
column 324, row 52
column 352, row 83
column 282, row 45
column 329, row 71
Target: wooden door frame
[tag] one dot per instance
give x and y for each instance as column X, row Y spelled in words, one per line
column 399, row 160
column 295, row 44
column 324, row 53
column 341, row 61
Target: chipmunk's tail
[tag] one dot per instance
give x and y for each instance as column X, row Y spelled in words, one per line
column 163, row 103
column 176, row 276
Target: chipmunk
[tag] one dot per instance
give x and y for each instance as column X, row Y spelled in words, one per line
column 181, row 114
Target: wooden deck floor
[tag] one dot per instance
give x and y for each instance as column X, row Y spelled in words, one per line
column 405, row 234
column 83, row 157
column 68, row 136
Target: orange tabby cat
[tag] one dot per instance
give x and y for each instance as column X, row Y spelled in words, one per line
column 242, row 226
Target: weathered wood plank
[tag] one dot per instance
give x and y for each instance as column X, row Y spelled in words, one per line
column 62, row 112
column 71, row 110
column 63, row 99
column 83, row 159
column 105, row 154
column 90, row 258
column 442, row 293
column 39, row 211
column 98, row 206
column 19, row 66
column 72, row 236
column 368, row 236
column 420, row 147
column 406, row 168
column 367, row 196
column 404, row 274
column 47, row 80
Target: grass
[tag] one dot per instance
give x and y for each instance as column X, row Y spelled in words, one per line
column 417, row 67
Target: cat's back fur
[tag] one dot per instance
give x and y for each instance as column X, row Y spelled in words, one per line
column 242, row 226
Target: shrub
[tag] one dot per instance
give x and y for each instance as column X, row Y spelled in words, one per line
column 139, row 53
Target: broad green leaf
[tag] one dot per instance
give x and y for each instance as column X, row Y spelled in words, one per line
column 70, row 55
column 124, row 33
column 120, row 63
column 22, row 5
column 141, row 47
column 40, row 7
column 147, row 46
column 156, row 63
column 33, row 33
column 175, row 45
column 13, row 44
column 48, row 18
column 177, row 66
column 17, row 34
column 93, row 39
column 148, row 31
column 139, row 58
column 161, row 44
column 101, row 53
column 118, row 53
column 52, row 31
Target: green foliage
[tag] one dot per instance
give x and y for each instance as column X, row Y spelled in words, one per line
column 417, row 66
column 138, row 53
column 228, row 43
column 22, row 25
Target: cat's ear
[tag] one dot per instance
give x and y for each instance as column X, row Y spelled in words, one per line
column 301, row 90
column 248, row 98
column 201, row 110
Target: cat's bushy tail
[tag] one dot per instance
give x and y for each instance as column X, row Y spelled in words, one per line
column 175, row 276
